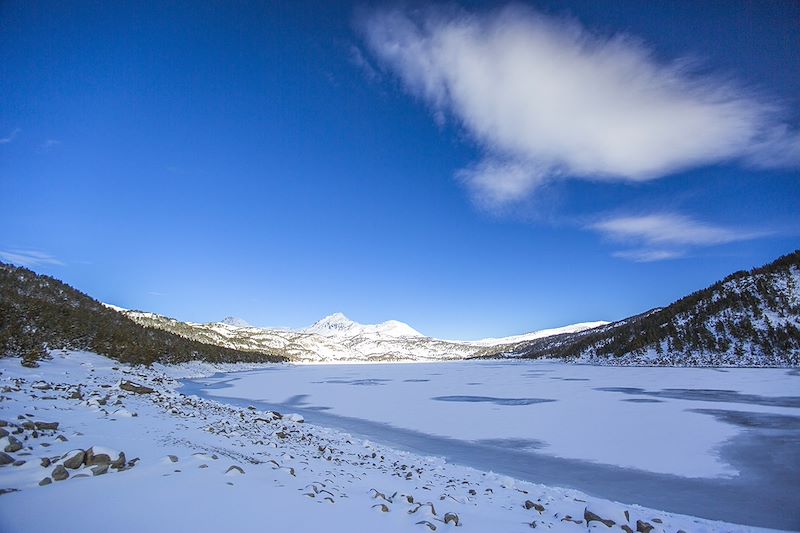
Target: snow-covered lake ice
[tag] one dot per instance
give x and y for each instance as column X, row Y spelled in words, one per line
column 709, row 442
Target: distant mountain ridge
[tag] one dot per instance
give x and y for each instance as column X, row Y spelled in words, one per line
column 748, row 319
column 334, row 338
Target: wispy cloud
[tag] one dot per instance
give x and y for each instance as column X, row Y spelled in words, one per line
column 547, row 99
column 10, row 137
column 49, row 144
column 661, row 236
column 29, row 258
column 648, row 256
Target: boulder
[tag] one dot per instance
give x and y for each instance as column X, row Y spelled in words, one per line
column 13, row 444
column 643, row 527
column 130, row 386
column 45, row 462
column 234, row 470
column 5, row 459
column 99, row 470
column 46, row 425
column 3, row 433
column 59, row 473
column 100, row 456
column 533, row 505
column 74, row 459
column 45, row 481
column 451, row 517
column 119, row 462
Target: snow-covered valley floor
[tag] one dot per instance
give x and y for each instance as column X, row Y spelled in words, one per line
column 195, row 464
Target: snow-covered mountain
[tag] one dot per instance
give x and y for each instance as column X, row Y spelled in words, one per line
column 337, row 338
column 338, row 325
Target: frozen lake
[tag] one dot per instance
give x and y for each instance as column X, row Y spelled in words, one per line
column 716, row 443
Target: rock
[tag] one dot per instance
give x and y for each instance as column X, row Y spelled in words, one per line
column 643, row 527
column 234, row 469
column 281, row 434
column 30, row 426
column 606, row 513
column 74, row 459
column 451, row 517
column 62, row 438
column 46, row 425
column 173, row 458
column 59, row 473
column 426, row 523
column 382, row 506
column 119, row 462
column 274, row 414
column 99, row 470
column 294, row 417
column 3, row 433
column 45, row 481
column 533, row 505
column 135, row 388
column 19, row 462
column 45, row 462
column 5, row 459
column 102, row 457
column 3, row 423
column 13, row 444
column 589, row 516
column 626, row 528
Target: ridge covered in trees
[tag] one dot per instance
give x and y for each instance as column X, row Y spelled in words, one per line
column 39, row 312
column 748, row 318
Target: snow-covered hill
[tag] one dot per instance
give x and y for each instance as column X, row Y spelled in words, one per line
column 748, row 319
column 336, row 338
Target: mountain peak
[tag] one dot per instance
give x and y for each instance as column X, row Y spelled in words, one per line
column 235, row 322
column 335, row 324
column 339, row 325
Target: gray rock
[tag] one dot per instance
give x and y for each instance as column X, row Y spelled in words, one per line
column 13, row 444
column 99, row 470
column 3, row 433
column 643, row 527
column 46, row 425
column 235, row 468
column 96, row 459
column 19, row 462
column 451, row 517
column 590, row 516
column 45, row 481
column 45, row 462
column 173, row 458
column 59, row 473
column 5, row 459
column 533, row 505
column 74, row 459
column 135, row 388
column 119, row 462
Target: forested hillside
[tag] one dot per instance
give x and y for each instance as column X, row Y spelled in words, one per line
column 39, row 312
column 749, row 318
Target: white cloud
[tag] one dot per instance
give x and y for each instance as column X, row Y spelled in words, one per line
column 648, row 256
column 665, row 235
column 546, row 99
column 11, row 136
column 28, row 257
column 50, row 144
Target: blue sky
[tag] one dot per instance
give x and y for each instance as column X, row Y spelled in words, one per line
column 473, row 170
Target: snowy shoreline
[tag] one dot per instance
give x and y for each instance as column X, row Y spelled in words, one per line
column 192, row 452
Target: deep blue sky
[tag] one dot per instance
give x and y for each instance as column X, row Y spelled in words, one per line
column 203, row 160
